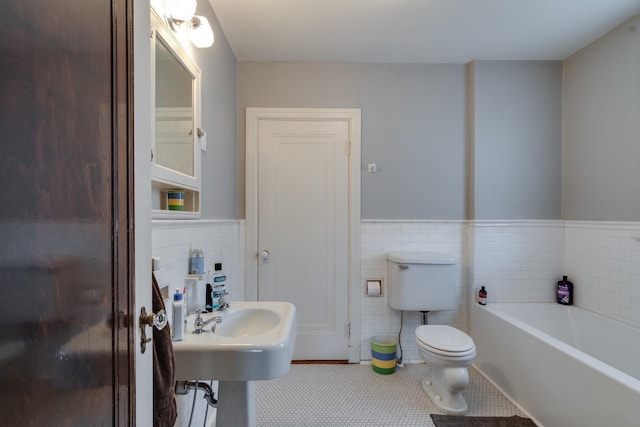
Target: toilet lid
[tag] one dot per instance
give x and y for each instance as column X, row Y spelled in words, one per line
column 444, row 338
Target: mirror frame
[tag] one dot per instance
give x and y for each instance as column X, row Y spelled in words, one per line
column 161, row 174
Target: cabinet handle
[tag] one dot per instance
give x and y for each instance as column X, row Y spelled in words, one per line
column 157, row 320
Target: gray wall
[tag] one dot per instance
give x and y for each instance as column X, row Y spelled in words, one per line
column 413, row 127
column 546, row 140
column 218, row 66
column 415, row 124
column 516, row 129
column 602, row 128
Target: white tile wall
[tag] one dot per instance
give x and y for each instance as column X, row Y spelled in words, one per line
column 516, row 260
column 380, row 237
column 221, row 241
column 603, row 262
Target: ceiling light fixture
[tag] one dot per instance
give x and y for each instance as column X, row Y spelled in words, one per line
column 181, row 10
column 200, row 32
column 181, row 16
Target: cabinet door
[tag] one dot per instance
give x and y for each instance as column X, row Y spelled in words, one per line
column 65, row 348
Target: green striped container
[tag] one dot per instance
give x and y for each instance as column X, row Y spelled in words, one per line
column 175, row 200
column 383, row 354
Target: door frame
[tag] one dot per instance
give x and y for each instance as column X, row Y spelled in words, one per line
column 124, row 213
column 353, row 117
column 141, row 64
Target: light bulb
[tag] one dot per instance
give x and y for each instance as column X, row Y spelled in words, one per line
column 200, row 32
column 181, row 10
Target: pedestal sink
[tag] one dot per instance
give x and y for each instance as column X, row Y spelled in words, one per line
column 254, row 341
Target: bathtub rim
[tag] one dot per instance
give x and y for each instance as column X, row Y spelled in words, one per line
column 609, row 371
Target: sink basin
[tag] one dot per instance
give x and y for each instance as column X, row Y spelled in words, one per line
column 254, row 341
column 247, row 322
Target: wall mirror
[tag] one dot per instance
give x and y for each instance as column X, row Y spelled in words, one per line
column 176, row 120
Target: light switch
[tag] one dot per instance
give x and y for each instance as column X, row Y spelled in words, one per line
column 203, row 141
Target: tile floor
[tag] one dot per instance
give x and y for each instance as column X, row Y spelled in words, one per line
column 354, row 396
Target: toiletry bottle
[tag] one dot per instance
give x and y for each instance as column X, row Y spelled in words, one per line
column 196, row 262
column 564, row 291
column 178, row 316
column 208, row 306
column 219, row 289
column 185, row 297
column 482, row 296
column 217, row 267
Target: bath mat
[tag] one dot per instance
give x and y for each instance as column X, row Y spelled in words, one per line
column 462, row 421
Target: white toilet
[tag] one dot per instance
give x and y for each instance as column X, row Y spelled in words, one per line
column 425, row 281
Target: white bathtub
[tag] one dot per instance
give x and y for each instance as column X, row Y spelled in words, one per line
column 566, row 366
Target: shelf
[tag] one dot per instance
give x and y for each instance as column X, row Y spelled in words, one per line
column 167, row 214
column 160, row 210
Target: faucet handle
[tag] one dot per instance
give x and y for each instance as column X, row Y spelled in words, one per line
column 222, row 304
column 198, row 324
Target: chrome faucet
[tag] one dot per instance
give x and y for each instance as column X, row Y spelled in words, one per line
column 222, row 304
column 200, row 323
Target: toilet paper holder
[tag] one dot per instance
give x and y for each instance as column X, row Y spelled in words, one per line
column 373, row 287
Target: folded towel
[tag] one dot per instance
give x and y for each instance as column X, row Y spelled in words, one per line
column 164, row 401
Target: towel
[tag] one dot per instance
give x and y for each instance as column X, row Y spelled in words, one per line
column 164, row 401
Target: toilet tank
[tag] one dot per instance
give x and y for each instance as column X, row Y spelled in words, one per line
column 421, row 281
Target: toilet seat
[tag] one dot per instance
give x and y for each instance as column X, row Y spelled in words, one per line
column 445, row 341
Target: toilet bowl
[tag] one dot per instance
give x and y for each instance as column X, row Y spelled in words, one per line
column 425, row 281
column 447, row 352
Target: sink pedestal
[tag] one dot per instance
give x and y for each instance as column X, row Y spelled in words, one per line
column 236, row 404
column 253, row 342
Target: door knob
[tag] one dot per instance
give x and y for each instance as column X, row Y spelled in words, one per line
column 264, row 255
column 157, row 320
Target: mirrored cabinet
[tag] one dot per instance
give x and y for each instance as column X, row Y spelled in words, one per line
column 176, row 133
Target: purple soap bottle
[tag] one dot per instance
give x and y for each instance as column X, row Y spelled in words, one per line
column 564, row 291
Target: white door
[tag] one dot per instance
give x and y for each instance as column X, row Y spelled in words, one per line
column 303, row 229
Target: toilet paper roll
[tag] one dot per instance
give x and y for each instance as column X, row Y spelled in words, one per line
column 374, row 288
